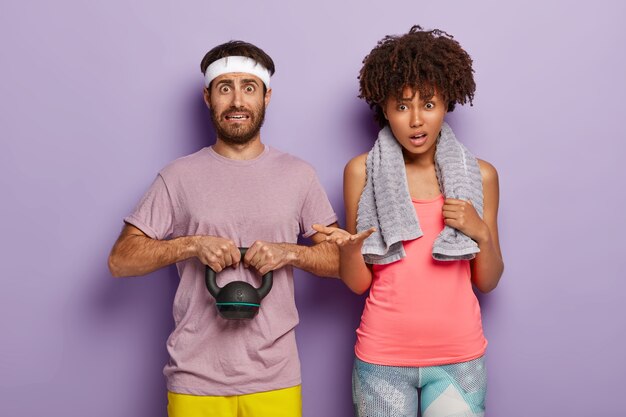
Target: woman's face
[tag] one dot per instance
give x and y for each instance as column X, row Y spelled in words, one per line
column 415, row 123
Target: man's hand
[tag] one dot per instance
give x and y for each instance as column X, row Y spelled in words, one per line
column 266, row 256
column 216, row 252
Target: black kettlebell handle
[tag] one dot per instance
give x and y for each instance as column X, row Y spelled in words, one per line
column 214, row 289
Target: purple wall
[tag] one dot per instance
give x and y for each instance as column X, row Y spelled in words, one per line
column 95, row 99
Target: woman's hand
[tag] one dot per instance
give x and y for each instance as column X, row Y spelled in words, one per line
column 462, row 215
column 352, row 268
column 342, row 238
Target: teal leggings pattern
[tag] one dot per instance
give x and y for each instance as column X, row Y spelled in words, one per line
column 456, row 390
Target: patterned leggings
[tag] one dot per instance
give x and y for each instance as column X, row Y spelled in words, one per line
column 456, row 390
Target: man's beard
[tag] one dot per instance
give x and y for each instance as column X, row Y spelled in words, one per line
column 237, row 133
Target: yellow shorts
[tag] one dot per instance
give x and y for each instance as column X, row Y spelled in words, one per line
column 285, row 402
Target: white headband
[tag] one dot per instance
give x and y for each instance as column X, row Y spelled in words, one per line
column 236, row 64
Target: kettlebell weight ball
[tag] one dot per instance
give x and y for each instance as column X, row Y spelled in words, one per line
column 238, row 300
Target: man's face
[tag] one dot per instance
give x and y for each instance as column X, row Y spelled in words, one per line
column 237, row 105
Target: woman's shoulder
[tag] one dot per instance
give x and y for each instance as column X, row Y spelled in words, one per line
column 488, row 172
column 491, row 183
column 356, row 166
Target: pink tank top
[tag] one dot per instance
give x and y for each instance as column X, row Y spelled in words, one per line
column 421, row 312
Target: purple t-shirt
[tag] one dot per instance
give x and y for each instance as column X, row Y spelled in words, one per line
column 274, row 197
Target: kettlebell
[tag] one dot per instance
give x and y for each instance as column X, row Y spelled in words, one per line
column 238, row 300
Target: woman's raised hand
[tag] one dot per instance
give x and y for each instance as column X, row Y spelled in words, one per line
column 343, row 238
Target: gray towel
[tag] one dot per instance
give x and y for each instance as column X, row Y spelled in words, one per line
column 386, row 203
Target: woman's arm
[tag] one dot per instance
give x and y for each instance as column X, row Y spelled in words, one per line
column 488, row 266
column 353, row 270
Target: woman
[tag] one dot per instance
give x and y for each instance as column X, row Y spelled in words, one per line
column 421, row 227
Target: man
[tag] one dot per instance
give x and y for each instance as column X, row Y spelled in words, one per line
column 198, row 211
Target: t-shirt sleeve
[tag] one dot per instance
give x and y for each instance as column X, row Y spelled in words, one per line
column 154, row 215
column 316, row 209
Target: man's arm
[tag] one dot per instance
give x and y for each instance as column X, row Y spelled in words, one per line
column 135, row 253
column 321, row 258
